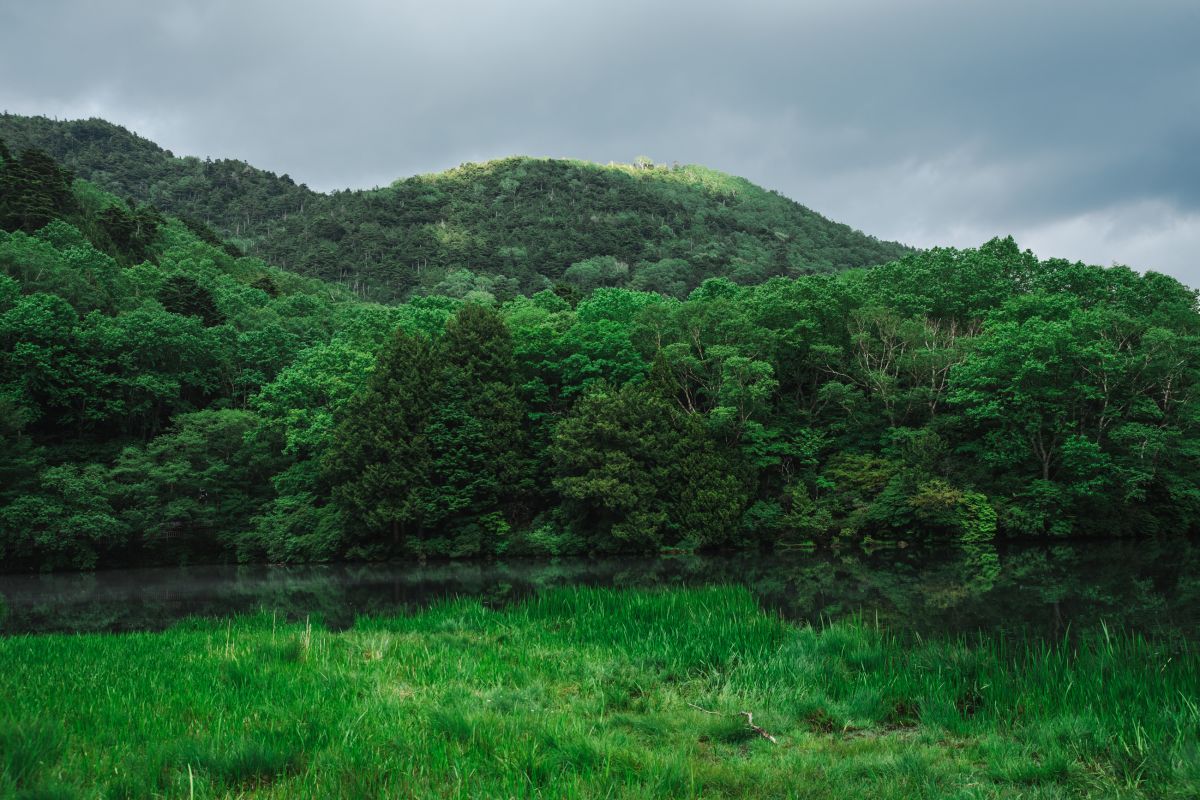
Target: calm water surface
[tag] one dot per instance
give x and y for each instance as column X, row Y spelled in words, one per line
column 1153, row 586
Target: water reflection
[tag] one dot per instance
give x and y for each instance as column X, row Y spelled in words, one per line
column 1152, row 586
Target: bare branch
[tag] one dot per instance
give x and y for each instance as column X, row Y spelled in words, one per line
column 749, row 721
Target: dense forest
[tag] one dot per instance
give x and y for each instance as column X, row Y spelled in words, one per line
column 483, row 231
column 164, row 398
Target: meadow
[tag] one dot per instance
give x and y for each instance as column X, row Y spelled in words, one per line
column 582, row 692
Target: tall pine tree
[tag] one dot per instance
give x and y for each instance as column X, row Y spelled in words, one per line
column 380, row 461
column 480, row 466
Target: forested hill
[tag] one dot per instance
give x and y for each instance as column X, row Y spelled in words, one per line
column 499, row 229
column 164, row 399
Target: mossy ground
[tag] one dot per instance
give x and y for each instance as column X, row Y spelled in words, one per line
column 586, row 693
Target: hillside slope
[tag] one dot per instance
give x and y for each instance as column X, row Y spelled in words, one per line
column 502, row 228
column 166, row 399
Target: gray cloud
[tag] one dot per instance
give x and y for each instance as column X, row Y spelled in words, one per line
column 1073, row 125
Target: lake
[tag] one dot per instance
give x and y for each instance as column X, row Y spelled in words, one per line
column 1152, row 585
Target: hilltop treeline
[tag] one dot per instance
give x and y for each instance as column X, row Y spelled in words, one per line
column 163, row 398
column 483, row 231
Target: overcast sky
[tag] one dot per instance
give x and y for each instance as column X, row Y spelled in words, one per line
column 1073, row 125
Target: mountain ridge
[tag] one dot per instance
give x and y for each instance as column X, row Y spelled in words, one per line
column 503, row 227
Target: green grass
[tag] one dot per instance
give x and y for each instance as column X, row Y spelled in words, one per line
column 586, row 693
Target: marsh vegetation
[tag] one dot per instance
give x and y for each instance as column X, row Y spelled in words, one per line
column 582, row 692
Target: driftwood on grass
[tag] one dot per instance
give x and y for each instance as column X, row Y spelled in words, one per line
column 749, row 721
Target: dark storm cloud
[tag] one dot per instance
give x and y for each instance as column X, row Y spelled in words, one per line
column 1073, row 125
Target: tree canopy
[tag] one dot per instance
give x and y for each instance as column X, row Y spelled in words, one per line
column 485, row 231
column 164, row 398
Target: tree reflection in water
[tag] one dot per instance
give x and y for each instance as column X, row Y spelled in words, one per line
column 1040, row 590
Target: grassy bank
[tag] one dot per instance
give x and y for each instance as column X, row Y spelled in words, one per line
column 590, row 693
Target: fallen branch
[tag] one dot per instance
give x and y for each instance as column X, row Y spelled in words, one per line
column 749, row 721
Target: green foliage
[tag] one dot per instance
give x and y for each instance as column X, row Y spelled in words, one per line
column 431, row 451
column 480, row 232
column 68, row 524
column 163, row 399
column 634, row 473
column 181, row 294
column 201, row 480
column 34, row 190
column 977, row 518
column 593, row 273
column 380, row 459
